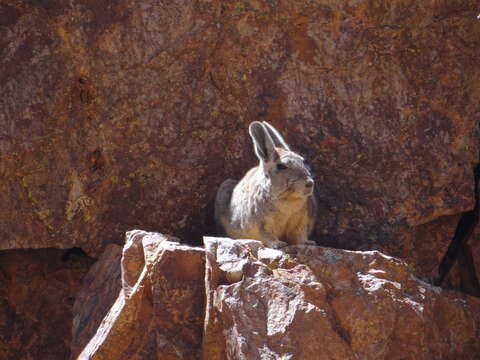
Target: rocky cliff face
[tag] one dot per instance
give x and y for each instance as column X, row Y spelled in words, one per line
column 146, row 104
column 125, row 115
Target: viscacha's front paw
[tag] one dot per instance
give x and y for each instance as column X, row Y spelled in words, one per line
column 276, row 244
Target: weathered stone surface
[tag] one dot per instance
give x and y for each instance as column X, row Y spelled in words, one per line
column 322, row 303
column 159, row 311
column 422, row 246
column 101, row 287
column 37, row 291
column 146, row 104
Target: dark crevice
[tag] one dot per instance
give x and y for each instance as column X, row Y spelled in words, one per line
column 96, row 160
column 75, row 251
column 37, row 293
column 469, row 283
column 458, row 251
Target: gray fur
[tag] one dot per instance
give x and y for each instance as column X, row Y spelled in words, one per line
column 273, row 204
column 278, row 139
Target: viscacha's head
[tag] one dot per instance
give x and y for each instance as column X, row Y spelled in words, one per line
column 285, row 171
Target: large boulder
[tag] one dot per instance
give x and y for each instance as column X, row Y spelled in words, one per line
column 156, row 313
column 322, row 303
column 127, row 114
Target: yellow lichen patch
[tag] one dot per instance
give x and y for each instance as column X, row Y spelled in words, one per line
column 42, row 213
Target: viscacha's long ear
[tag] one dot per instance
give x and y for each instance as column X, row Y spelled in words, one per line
column 262, row 142
column 278, row 139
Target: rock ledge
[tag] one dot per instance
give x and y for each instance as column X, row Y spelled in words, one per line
column 301, row 302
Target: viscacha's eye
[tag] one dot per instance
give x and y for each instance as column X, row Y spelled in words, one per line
column 281, row 167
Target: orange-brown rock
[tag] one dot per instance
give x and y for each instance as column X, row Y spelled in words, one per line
column 37, row 292
column 125, row 115
column 120, row 115
column 101, row 287
column 322, row 303
column 159, row 311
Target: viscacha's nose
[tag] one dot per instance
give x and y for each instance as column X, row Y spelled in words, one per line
column 309, row 183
